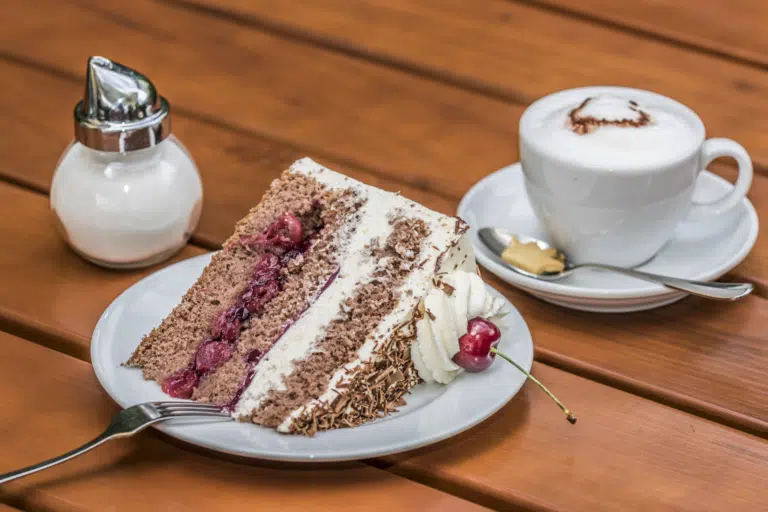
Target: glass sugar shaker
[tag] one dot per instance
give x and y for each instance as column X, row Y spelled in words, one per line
column 126, row 193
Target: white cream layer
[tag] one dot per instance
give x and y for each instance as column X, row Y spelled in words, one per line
column 419, row 282
column 355, row 268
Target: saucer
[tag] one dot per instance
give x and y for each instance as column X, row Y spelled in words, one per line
column 702, row 250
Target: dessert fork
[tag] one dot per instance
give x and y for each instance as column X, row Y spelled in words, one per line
column 126, row 423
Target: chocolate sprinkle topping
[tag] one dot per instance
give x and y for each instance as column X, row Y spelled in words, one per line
column 377, row 388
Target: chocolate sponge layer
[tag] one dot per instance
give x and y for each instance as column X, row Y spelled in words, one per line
column 359, row 316
column 171, row 346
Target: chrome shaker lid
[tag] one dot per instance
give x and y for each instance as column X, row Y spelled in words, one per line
column 121, row 110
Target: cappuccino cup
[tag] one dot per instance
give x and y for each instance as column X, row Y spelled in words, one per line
column 611, row 171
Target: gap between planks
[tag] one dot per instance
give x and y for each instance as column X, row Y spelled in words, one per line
column 61, row 341
column 43, row 67
column 424, row 71
column 457, row 490
column 208, row 242
column 23, row 327
column 698, row 46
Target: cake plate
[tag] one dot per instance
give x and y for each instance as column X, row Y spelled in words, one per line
column 434, row 412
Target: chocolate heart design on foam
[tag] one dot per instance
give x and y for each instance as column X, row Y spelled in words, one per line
column 595, row 112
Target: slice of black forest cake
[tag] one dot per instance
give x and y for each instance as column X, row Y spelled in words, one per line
column 330, row 301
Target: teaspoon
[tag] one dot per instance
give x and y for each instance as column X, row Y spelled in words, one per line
column 497, row 239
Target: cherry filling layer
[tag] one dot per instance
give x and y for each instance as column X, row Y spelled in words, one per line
column 282, row 241
column 255, row 355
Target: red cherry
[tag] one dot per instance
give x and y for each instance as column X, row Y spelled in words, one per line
column 261, row 294
column 477, row 351
column 211, row 354
column 283, row 234
column 484, row 329
column 231, row 330
column 267, row 268
column 292, row 225
column 475, row 347
column 181, row 384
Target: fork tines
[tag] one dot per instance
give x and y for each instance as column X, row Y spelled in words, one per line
column 188, row 409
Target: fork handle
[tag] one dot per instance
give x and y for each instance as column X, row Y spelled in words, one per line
column 13, row 475
column 710, row 290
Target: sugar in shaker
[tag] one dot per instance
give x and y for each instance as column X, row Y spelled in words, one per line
column 125, row 193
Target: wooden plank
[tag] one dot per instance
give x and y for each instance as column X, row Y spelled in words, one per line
column 63, row 407
column 48, row 293
column 667, row 458
column 233, row 164
column 700, row 355
column 520, row 52
column 239, row 164
column 435, row 136
column 733, row 28
column 709, row 360
column 625, row 453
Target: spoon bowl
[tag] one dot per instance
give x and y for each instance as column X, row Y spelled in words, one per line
column 497, row 240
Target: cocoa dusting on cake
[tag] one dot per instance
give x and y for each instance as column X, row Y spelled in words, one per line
column 172, row 347
column 361, row 313
column 582, row 125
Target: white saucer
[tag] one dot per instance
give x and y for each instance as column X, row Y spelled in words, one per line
column 702, row 250
column 434, row 412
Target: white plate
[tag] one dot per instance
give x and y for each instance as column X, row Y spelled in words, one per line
column 702, row 250
column 434, row 412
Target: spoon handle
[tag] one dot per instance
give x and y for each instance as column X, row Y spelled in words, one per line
column 717, row 291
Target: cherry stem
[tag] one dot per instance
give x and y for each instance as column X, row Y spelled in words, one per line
column 568, row 414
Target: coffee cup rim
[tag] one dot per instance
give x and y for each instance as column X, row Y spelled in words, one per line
column 524, row 130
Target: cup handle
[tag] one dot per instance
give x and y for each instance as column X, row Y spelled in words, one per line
column 716, row 148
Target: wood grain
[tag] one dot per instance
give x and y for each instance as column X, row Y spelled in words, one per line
column 704, row 361
column 702, row 355
column 49, row 294
column 435, row 135
column 143, row 473
column 625, row 453
column 666, row 457
column 519, row 52
column 374, row 108
column 238, row 164
column 733, row 28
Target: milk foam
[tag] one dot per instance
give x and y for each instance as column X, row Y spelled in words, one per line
column 612, row 131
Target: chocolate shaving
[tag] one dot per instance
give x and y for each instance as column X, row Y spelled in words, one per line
column 361, row 401
column 448, row 289
column 396, row 376
column 461, row 227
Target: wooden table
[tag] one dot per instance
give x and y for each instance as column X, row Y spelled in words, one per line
column 422, row 97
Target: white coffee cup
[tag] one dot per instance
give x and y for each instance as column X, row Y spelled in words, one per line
column 614, row 193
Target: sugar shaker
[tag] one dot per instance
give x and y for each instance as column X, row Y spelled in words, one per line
column 125, row 193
